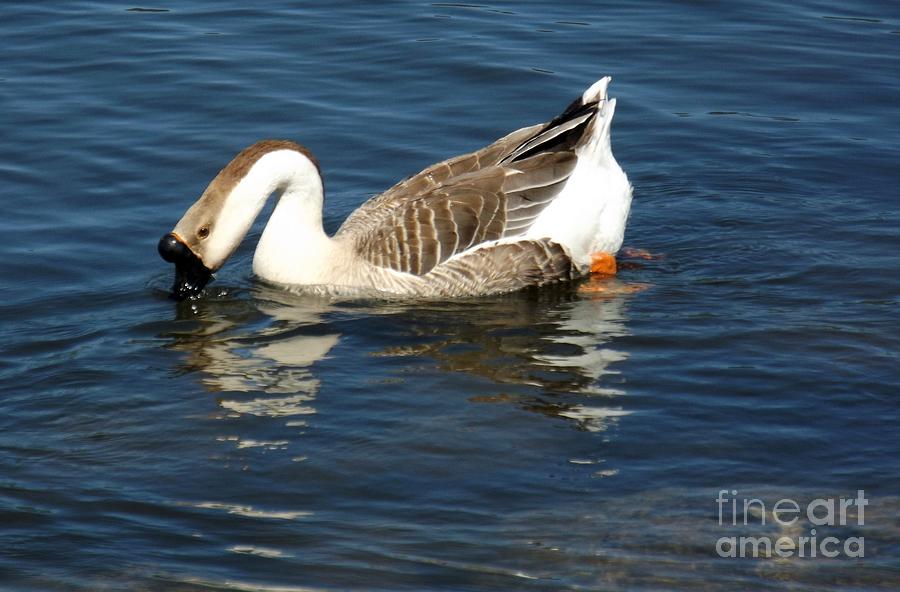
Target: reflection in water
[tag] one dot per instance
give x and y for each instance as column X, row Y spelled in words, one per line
column 549, row 353
column 257, row 346
column 267, row 345
column 555, row 341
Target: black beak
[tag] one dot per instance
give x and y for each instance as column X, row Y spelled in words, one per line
column 190, row 273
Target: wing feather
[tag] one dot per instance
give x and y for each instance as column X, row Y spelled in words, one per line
column 503, row 267
column 456, row 205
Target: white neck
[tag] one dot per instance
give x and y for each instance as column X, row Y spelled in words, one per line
column 293, row 247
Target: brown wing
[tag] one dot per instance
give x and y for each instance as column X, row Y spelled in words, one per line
column 504, row 268
column 493, row 193
column 470, row 209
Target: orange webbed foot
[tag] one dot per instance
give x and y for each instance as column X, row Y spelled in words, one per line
column 602, row 284
column 603, row 263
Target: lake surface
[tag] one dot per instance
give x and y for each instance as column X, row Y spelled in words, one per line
column 552, row 440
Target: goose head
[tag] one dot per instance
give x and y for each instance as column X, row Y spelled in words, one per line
column 212, row 228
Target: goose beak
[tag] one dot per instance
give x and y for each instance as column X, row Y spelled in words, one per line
column 190, row 273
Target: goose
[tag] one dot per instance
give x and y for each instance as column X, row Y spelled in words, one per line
column 544, row 204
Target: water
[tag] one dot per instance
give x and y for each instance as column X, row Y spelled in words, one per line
column 254, row 440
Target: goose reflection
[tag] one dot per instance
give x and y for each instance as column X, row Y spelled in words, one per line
column 265, row 346
column 553, row 349
column 558, row 341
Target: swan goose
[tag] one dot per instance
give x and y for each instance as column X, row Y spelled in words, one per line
column 544, row 204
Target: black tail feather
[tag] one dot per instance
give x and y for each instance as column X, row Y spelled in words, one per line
column 565, row 140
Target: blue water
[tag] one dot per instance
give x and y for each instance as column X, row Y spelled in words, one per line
column 256, row 440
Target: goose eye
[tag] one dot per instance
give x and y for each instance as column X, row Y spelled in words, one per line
column 203, row 232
